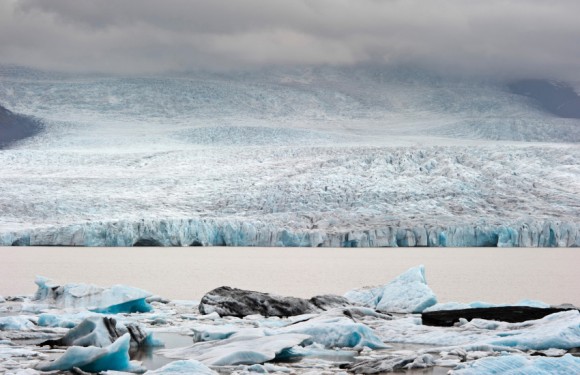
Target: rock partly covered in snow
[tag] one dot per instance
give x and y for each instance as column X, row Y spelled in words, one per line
column 228, row 301
column 520, row 365
column 408, row 293
column 511, row 314
column 116, row 299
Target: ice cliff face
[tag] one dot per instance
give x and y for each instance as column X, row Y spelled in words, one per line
column 306, row 157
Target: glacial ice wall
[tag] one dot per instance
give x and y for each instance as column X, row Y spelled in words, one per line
column 309, row 157
column 216, row 232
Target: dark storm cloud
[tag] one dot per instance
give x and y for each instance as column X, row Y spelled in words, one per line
column 524, row 37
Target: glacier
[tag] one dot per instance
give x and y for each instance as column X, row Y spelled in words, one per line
column 317, row 156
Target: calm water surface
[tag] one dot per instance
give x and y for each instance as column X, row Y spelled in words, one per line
column 455, row 274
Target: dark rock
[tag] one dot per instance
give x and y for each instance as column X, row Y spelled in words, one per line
column 510, row 314
column 228, row 301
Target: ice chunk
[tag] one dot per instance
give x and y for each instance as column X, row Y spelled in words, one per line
column 520, row 365
column 239, row 349
column 407, row 293
column 94, row 359
column 184, row 367
column 116, row 299
column 337, row 332
column 15, row 323
column 64, row 320
column 2, row 299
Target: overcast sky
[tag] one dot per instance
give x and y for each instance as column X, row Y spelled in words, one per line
column 514, row 37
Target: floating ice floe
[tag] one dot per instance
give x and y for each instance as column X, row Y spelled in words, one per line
column 113, row 300
column 183, row 367
column 245, row 348
column 95, row 359
column 336, row 332
column 16, row 323
column 407, row 293
column 520, row 365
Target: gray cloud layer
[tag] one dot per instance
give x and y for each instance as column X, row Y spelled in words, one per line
column 518, row 37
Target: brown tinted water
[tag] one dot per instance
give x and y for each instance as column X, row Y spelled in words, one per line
column 455, row 274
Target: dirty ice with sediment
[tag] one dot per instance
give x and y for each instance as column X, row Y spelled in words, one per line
column 314, row 156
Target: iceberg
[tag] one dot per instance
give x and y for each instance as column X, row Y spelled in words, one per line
column 407, row 293
column 94, row 359
column 520, row 365
column 113, row 300
column 336, row 332
column 183, row 367
column 245, row 348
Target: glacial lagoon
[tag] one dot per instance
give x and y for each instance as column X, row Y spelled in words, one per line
column 495, row 275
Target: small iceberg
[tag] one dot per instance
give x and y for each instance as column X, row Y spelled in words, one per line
column 407, row 293
column 95, row 359
column 245, row 348
column 113, row 300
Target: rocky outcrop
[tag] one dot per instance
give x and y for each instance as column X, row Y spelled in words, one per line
column 228, row 301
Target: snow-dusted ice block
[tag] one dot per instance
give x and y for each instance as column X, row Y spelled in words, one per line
column 246, row 348
column 94, row 359
column 520, row 365
column 113, row 300
column 184, row 367
column 407, row 293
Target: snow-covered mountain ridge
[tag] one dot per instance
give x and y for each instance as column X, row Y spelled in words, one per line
column 304, row 157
